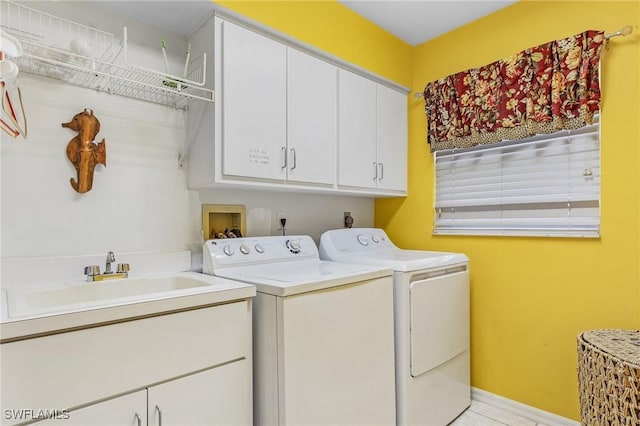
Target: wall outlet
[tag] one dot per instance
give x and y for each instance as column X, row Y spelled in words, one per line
column 348, row 220
column 282, row 219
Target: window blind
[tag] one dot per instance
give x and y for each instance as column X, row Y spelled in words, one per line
column 546, row 185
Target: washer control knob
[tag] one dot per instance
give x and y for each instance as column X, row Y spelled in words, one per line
column 363, row 239
column 228, row 250
column 374, row 239
column 293, row 246
column 244, row 249
column 259, row 248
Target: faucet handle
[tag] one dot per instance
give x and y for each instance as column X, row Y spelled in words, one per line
column 123, row 267
column 92, row 270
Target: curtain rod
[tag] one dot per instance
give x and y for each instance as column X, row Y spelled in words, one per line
column 624, row 31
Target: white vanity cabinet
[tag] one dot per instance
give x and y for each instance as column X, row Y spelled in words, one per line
column 129, row 409
column 185, row 368
column 217, row 396
column 372, row 135
column 280, row 110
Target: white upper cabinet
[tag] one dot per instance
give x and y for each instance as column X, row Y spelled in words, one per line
column 357, row 131
column 312, row 120
column 392, row 139
column 278, row 110
column 253, row 101
column 372, row 136
column 288, row 117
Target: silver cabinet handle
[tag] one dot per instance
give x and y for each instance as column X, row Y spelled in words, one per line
column 381, row 173
column 293, row 151
column 138, row 419
column 284, row 157
column 159, row 416
column 375, row 171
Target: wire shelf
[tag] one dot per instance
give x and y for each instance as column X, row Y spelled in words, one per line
column 83, row 56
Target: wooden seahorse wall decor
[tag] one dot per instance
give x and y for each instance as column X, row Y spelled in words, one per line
column 82, row 151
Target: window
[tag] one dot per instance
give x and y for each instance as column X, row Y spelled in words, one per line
column 546, row 185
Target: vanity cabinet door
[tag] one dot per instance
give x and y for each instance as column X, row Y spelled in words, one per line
column 126, row 410
column 218, row 396
column 254, row 104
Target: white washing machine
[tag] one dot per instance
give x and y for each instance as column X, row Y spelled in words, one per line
column 431, row 322
column 323, row 332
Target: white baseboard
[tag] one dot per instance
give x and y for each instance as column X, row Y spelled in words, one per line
column 523, row 410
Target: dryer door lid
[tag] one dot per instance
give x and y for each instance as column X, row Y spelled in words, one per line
column 439, row 327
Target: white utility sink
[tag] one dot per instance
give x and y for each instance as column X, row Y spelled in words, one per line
column 29, row 302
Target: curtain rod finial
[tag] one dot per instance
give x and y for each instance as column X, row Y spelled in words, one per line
column 628, row 29
column 625, row 31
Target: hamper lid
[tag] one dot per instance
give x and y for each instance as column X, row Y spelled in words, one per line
column 623, row 344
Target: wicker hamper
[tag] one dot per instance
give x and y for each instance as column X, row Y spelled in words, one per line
column 609, row 377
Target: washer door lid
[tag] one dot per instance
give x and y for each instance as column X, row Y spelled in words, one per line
column 439, row 327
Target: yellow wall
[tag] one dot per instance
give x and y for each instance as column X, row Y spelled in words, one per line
column 530, row 297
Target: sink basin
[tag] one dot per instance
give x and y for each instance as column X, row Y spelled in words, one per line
column 23, row 302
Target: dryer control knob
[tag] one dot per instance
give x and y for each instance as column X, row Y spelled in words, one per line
column 244, row 249
column 363, row 239
column 228, row 250
column 259, row 248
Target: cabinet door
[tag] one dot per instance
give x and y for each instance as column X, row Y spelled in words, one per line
column 253, row 102
column 126, row 410
column 356, row 130
column 312, row 119
column 219, row 396
column 391, row 139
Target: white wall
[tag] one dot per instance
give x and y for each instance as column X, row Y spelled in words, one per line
column 140, row 201
column 309, row 214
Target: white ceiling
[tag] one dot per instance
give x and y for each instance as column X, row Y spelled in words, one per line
column 414, row 21
column 180, row 17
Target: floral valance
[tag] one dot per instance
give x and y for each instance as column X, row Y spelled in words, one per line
column 543, row 89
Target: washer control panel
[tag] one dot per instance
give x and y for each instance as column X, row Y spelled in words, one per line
column 221, row 253
column 293, row 246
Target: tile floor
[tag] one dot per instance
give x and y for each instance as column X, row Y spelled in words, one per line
column 481, row 414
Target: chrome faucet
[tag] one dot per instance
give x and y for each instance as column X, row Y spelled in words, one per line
column 110, row 258
column 93, row 272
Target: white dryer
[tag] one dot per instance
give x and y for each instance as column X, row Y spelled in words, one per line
column 323, row 332
column 431, row 322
